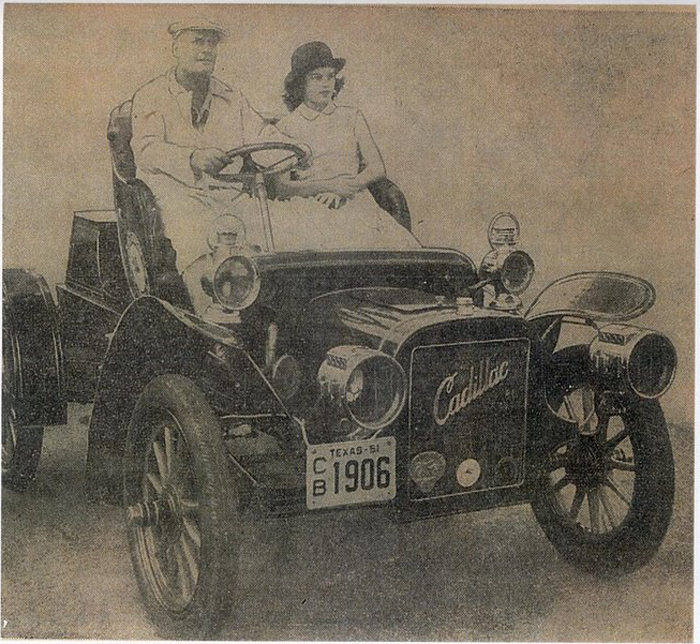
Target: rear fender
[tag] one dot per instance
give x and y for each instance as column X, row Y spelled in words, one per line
column 32, row 346
column 153, row 338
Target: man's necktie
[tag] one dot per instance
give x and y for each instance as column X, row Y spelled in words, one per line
column 199, row 121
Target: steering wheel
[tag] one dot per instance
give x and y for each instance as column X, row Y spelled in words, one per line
column 251, row 169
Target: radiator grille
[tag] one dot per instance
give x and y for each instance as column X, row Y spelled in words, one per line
column 467, row 417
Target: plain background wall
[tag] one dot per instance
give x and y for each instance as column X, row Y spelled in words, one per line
column 581, row 122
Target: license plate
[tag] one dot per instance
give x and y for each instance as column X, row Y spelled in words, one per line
column 350, row 473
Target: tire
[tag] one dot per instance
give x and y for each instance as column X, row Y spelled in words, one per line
column 624, row 471
column 21, row 446
column 21, row 451
column 180, row 509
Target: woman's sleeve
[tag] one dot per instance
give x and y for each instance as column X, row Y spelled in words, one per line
column 370, row 156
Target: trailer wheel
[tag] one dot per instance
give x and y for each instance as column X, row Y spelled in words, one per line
column 21, row 446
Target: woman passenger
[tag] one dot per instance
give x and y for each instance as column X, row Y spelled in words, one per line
column 345, row 159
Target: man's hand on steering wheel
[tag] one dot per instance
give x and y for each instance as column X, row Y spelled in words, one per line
column 250, row 168
column 209, row 161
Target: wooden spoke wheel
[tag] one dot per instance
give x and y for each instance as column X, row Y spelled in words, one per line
column 604, row 496
column 180, row 509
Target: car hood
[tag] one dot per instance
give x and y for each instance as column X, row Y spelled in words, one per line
column 378, row 317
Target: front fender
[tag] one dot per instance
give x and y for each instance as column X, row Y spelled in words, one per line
column 601, row 296
column 151, row 338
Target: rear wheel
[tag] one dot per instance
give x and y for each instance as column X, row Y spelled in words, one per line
column 604, row 496
column 180, row 509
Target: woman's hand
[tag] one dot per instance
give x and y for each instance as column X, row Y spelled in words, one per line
column 330, row 200
column 345, row 185
column 207, row 182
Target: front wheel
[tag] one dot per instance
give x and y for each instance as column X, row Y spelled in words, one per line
column 604, row 497
column 180, row 509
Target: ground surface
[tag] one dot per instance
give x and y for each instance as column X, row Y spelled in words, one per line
column 351, row 575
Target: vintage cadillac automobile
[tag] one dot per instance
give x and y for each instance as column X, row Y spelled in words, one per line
column 319, row 380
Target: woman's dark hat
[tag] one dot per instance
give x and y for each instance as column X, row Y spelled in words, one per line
column 311, row 56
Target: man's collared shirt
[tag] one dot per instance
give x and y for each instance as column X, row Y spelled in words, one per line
column 185, row 97
column 164, row 135
column 339, row 138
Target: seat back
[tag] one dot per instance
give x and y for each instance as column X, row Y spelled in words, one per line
column 119, row 136
column 147, row 254
column 390, row 198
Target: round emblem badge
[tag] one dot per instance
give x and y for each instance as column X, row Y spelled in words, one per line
column 468, row 472
column 426, row 469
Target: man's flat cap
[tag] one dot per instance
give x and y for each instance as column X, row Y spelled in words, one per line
column 196, row 24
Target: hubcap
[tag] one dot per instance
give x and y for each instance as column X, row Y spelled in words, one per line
column 586, row 465
column 166, row 518
column 591, row 478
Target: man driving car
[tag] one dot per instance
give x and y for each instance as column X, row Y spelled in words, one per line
column 183, row 121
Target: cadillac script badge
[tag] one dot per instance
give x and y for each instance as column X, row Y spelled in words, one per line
column 486, row 375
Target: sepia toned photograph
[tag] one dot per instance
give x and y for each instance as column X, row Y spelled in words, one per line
column 342, row 322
